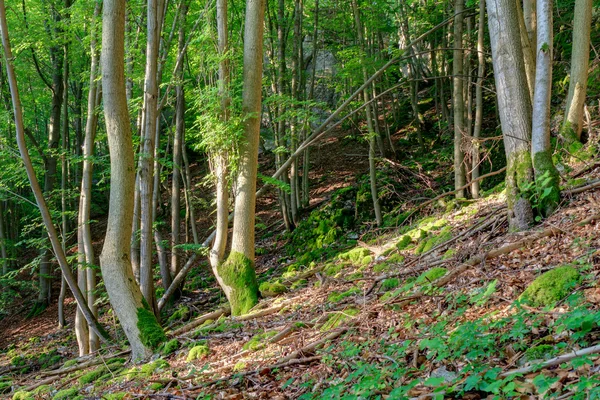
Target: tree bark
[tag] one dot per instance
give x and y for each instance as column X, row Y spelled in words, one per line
column 458, row 100
column 237, row 272
column 478, row 102
column 514, row 107
column 573, row 121
column 546, row 175
column 135, row 315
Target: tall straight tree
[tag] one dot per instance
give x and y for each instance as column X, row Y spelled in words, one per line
column 478, row 101
column 546, row 175
column 458, row 100
column 514, row 107
column 237, row 272
column 573, row 121
column 136, row 317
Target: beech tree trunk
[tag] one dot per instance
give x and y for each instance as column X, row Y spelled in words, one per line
column 580, row 57
column 546, row 175
column 237, row 272
column 458, row 100
column 136, row 317
column 514, row 107
column 478, row 102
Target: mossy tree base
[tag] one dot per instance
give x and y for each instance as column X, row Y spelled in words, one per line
column 239, row 278
column 547, row 182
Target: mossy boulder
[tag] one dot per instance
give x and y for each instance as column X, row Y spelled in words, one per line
column 333, row 269
column 197, row 352
column 272, row 289
column 169, row 347
column 69, row 363
column 257, row 342
column 431, row 275
column 551, row 286
column 23, row 395
column 404, row 242
column 358, row 256
column 444, row 235
column 336, row 318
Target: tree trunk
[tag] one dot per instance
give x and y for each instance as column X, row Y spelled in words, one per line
column 237, row 272
column 573, row 122
column 546, row 175
column 514, row 107
column 136, row 317
column 478, row 102
column 458, row 100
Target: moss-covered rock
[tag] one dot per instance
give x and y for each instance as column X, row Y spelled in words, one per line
column 541, row 352
column 91, row 376
column 431, row 275
column 358, row 256
column 336, row 318
column 66, row 394
column 197, row 352
column 336, row 297
column 551, row 286
column 424, row 246
column 147, row 370
column 404, row 242
column 238, row 273
column 69, row 363
column 169, row 347
column 272, row 289
column 333, row 269
column 23, row 395
column 257, row 342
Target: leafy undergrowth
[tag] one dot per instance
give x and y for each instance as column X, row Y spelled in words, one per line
column 379, row 316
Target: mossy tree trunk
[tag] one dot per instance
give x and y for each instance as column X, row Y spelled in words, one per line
column 572, row 124
column 237, row 272
column 514, row 106
column 136, row 318
column 546, row 175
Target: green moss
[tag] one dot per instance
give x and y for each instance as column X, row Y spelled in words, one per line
column 66, row 394
column 404, row 242
column 541, row 352
column 333, row 269
column 198, row 352
column 431, row 275
column 41, row 390
column 69, row 363
column 551, row 286
column 428, row 244
column 449, row 254
column 169, row 347
column 156, row 386
column 115, row 396
column 299, row 284
column 272, row 289
column 382, row 267
column 5, row 387
column 238, row 273
column 23, row 395
column 389, row 284
column 92, row 376
column 358, row 256
column 152, row 334
column 547, row 182
column 336, row 318
column 180, row 314
column 147, row 370
column 336, row 297
column 239, row 366
column 257, row 342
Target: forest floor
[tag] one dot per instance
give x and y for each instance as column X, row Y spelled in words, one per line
column 430, row 307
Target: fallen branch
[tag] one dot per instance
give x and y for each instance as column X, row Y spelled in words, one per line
column 200, row 320
column 554, row 361
column 310, row 348
column 590, row 185
column 87, row 364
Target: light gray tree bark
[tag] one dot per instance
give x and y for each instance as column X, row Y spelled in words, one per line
column 514, row 107
column 458, row 100
column 478, row 102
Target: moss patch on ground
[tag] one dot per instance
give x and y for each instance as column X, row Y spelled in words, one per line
column 257, row 342
column 358, row 256
column 431, row 275
column 272, row 289
column 169, row 347
column 551, row 286
column 336, row 297
column 197, row 352
column 336, row 318
column 65, row 394
column 444, row 235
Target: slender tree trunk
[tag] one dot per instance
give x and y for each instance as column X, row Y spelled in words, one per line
column 478, row 102
column 529, row 16
column 573, row 122
column 514, row 107
column 546, row 174
column 458, row 100
column 528, row 51
column 3, row 237
column 36, row 189
column 237, row 272
column 136, row 317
